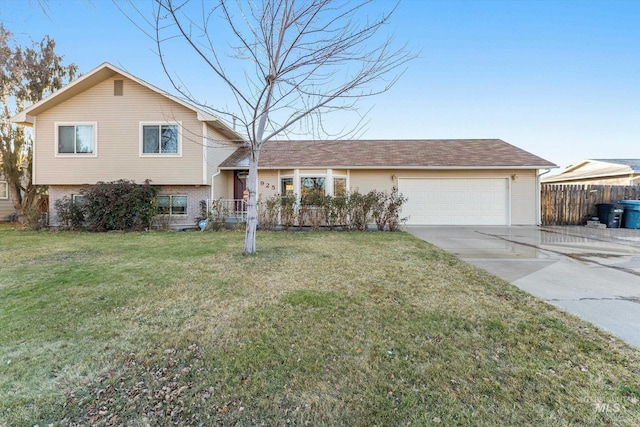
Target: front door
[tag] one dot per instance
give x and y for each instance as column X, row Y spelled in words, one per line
column 239, row 187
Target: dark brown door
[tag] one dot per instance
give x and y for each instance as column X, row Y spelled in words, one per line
column 239, row 187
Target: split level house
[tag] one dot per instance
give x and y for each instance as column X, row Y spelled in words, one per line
column 109, row 125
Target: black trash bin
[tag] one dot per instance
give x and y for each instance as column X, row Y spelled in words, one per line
column 610, row 214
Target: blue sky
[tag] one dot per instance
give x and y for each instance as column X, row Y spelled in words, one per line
column 560, row 79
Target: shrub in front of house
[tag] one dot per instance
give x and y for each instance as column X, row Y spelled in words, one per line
column 353, row 211
column 387, row 208
column 70, row 214
column 217, row 215
column 120, row 205
column 106, row 206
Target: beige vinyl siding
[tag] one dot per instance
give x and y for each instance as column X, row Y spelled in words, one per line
column 367, row 180
column 118, row 121
column 613, row 181
column 223, row 185
column 268, row 184
column 6, row 208
column 523, row 193
column 218, row 148
column 6, row 204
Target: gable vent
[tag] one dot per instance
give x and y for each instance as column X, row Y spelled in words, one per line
column 118, row 87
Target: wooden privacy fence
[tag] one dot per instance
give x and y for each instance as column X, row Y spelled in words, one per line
column 574, row 204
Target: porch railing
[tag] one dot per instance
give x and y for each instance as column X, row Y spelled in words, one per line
column 231, row 210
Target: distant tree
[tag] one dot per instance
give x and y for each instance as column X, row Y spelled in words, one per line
column 285, row 62
column 26, row 76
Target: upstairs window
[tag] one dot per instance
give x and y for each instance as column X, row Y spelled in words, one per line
column 76, row 138
column 160, row 139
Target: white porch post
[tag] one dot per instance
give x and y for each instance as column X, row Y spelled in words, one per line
column 296, row 183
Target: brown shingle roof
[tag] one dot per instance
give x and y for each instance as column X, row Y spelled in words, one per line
column 425, row 153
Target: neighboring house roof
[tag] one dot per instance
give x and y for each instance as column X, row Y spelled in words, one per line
column 101, row 73
column 393, row 154
column 593, row 169
column 634, row 164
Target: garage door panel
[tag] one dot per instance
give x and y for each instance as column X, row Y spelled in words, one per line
column 432, row 201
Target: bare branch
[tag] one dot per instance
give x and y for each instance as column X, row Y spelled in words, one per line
column 286, row 63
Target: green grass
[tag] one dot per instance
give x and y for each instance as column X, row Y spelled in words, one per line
column 353, row 329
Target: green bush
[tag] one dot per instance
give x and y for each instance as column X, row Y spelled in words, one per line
column 70, row 214
column 120, row 205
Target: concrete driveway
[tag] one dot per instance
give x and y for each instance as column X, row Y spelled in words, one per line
column 592, row 273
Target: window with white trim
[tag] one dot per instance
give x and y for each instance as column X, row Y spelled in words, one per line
column 314, row 186
column 339, row 187
column 159, row 139
column 286, row 186
column 4, row 190
column 76, row 138
column 172, row 205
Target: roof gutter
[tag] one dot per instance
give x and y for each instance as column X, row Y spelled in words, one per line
column 22, row 118
column 351, row 167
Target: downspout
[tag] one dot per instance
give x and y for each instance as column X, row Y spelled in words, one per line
column 538, row 202
column 213, row 186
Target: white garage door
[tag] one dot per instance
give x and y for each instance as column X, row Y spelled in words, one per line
column 455, row 201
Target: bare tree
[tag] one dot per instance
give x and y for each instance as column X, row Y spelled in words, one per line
column 26, row 76
column 286, row 64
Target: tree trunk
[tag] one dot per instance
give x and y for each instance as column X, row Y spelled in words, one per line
column 252, row 207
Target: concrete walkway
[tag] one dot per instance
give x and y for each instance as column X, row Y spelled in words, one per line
column 592, row 273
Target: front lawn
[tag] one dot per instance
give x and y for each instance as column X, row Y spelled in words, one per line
column 353, row 329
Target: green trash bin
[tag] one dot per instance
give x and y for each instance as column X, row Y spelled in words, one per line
column 631, row 217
